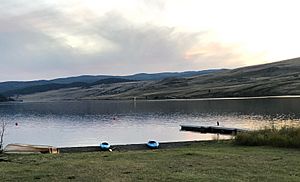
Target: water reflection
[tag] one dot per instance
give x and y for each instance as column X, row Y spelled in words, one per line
column 89, row 122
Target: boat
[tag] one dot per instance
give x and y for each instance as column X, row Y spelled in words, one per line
column 104, row 146
column 26, row 148
column 153, row 144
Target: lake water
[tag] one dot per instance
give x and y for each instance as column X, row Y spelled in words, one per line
column 122, row 122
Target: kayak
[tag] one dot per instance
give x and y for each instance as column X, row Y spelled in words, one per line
column 153, row 144
column 104, row 146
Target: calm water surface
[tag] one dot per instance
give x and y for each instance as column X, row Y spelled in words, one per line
column 120, row 122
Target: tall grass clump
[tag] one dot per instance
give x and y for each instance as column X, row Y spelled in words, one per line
column 282, row 137
column 2, row 131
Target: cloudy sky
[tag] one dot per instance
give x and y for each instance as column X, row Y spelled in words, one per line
column 45, row 39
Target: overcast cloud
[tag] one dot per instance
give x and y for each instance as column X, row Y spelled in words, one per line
column 52, row 39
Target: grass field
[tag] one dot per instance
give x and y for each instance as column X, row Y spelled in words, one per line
column 208, row 161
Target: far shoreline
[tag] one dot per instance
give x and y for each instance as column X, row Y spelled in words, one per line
column 158, row 100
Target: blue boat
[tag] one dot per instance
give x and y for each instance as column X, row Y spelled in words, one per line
column 104, row 146
column 153, row 144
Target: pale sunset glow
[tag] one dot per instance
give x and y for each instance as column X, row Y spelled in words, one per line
column 54, row 38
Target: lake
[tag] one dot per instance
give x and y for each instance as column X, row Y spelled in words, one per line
column 83, row 123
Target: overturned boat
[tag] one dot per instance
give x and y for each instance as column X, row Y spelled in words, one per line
column 25, row 148
column 104, row 146
column 153, row 144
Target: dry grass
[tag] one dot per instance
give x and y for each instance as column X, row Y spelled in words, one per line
column 283, row 137
column 214, row 161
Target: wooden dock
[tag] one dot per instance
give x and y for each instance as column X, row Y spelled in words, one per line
column 211, row 129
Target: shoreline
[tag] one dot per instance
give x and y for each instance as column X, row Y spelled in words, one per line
column 135, row 147
column 158, row 100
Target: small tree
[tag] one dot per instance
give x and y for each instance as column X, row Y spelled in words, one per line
column 2, row 131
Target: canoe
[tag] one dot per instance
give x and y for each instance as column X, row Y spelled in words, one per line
column 25, row 148
column 153, row 144
column 104, row 146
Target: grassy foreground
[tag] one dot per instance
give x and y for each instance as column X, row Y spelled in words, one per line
column 206, row 161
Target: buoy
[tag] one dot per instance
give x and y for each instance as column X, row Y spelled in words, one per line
column 153, row 144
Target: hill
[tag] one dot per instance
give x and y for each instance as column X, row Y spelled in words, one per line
column 5, row 99
column 279, row 78
column 2, row 98
column 13, row 86
column 56, row 86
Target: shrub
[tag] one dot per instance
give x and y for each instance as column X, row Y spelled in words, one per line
column 283, row 137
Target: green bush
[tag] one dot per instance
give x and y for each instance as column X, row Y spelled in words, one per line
column 283, row 137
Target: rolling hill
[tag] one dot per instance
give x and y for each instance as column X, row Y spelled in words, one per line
column 279, row 78
column 2, row 98
column 5, row 99
column 56, row 86
column 12, row 86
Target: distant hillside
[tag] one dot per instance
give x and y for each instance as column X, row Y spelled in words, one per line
column 160, row 76
column 5, row 99
column 279, row 78
column 5, row 87
column 56, row 86
column 2, row 98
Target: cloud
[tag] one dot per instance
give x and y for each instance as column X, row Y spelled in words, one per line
column 217, row 54
column 145, row 44
column 46, row 41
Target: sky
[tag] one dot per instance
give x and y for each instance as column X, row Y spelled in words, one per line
column 46, row 39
